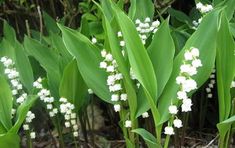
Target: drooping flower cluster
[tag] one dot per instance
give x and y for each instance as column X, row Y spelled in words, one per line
column 203, row 9
column 17, row 91
column 12, row 75
column 146, row 27
column 114, row 82
column 26, row 126
column 187, row 84
column 70, row 116
column 132, row 75
column 211, row 85
column 46, row 97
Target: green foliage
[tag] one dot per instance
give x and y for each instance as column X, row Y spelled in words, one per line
column 148, row 137
column 71, row 62
column 199, row 40
column 72, row 86
column 10, row 140
column 48, row 59
column 83, row 50
column 225, row 65
column 5, row 104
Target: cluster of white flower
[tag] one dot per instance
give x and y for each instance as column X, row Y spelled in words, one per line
column 17, row 90
column 187, row 84
column 26, row 126
column 146, row 27
column 113, row 80
column 203, row 9
column 46, row 97
column 70, row 117
column 211, row 85
column 12, row 75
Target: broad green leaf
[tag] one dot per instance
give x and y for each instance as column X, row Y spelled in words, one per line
column 107, row 10
column 229, row 9
column 149, row 139
column 72, row 86
column 23, row 67
column 22, row 112
column 161, row 52
column 48, row 59
column 5, row 103
column 140, row 9
column 225, row 126
column 58, row 45
column 88, row 58
column 205, row 40
column 22, row 64
column 50, row 23
column 138, row 58
column 7, row 49
column 10, row 140
column 225, row 63
column 9, row 33
column 2, row 129
column 84, row 28
column 137, row 54
column 180, row 16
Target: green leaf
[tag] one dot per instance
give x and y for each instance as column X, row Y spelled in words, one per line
column 22, row 112
column 161, row 52
column 107, row 10
column 2, row 129
column 88, row 58
column 22, row 64
column 24, row 67
column 9, row 33
column 137, row 54
column 180, row 16
column 140, row 9
column 229, row 9
column 10, row 140
column 48, row 59
column 113, row 44
column 57, row 44
column 149, row 139
column 72, row 86
column 225, row 63
column 225, row 126
column 139, row 59
column 50, row 23
column 5, row 103
column 205, row 42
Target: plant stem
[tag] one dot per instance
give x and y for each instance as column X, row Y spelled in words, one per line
column 29, row 140
column 167, row 140
column 124, row 130
column 75, row 142
column 61, row 140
